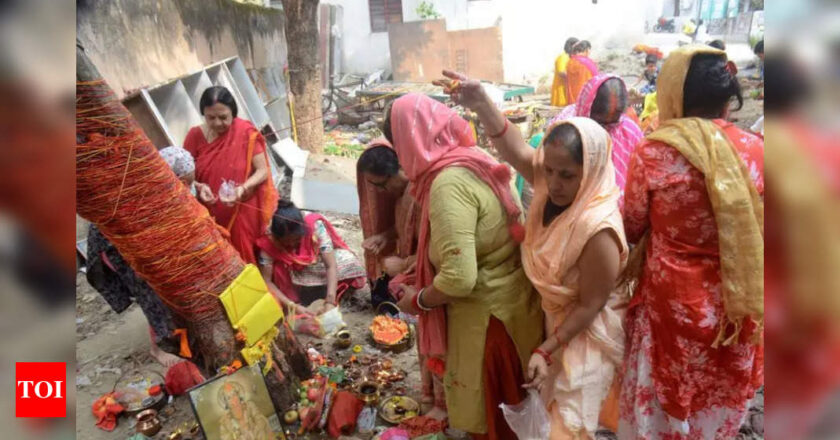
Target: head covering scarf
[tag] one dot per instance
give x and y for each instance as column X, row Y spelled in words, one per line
column 429, row 137
column 548, row 252
column 625, row 133
column 738, row 208
column 179, row 159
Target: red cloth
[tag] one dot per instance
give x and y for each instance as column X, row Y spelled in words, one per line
column 306, row 254
column 106, row 409
column 343, row 413
column 422, row 425
column 227, row 158
column 503, row 380
column 680, row 283
column 181, row 377
column 430, row 137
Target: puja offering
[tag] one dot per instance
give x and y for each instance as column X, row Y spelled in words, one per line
column 390, row 333
column 395, row 409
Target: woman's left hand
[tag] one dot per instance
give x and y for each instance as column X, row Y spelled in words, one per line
column 406, row 303
column 537, row 372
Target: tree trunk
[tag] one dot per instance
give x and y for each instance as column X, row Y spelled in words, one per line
column 107, row 138
column 304, row 71
column 676, row 8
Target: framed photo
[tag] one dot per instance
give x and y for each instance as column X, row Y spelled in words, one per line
column 236, row 407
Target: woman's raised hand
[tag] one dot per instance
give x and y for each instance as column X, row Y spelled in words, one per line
column 464, row 91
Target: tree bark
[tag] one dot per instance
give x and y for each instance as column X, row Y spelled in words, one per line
column 304, row 71
column 215, row 343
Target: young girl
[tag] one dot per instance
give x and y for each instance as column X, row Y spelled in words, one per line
column 303, row 259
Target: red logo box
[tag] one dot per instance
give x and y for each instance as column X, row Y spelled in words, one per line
column 40, row 389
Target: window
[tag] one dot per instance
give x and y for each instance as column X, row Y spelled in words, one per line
column 384, row 12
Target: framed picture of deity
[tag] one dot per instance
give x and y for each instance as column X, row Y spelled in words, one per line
column 236, row 407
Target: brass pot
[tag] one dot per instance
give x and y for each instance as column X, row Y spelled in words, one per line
column 368, row 392
column 343, row 339
column 148, row 423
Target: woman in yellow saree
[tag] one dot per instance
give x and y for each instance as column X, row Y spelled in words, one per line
column 558, row 87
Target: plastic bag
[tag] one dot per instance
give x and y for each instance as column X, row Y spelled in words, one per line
column 529, row 420
column 227, row 192
column 331, row 321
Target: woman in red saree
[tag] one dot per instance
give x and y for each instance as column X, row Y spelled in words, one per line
column 303, row 259
column 694, row 357
column 580, row 70
column 230, row 149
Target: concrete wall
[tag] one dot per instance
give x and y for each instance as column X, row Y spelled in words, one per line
column 362, row 51
column 533, row 32
column 137, row 43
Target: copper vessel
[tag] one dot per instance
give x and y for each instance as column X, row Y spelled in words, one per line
column 148, row 423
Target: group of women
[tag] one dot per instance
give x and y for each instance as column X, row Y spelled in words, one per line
column 572, row 70
column 630, row 296
column 301, row 256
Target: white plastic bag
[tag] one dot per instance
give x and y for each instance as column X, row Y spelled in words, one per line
column 332, row 321
column 528, row 420
column 227, row 192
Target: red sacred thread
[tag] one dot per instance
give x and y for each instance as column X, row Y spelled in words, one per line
column 131, row 194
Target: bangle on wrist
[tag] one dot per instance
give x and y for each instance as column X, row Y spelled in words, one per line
column 544, row 355
column 418, row 303
column 501, row 133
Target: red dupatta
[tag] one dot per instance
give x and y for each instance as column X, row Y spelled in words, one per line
column 306, row 254
column 230, row 157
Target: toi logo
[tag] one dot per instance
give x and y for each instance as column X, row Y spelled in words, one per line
column 40, row 389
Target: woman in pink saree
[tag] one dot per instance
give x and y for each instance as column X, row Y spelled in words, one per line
column 604, row 99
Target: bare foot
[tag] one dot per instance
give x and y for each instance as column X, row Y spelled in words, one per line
column 164, row 358
column 437, row 413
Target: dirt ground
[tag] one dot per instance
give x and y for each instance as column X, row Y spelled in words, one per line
column 110, row 344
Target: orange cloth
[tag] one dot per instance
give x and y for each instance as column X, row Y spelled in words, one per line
column 106, row 409
column 583, row 371
column 648, row 50
column 578, row 72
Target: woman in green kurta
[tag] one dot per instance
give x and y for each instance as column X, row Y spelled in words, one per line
column 472, row 270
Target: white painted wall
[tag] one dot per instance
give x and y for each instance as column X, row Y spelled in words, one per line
column 533, row 32
column 533, row 35
column 362, row 51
